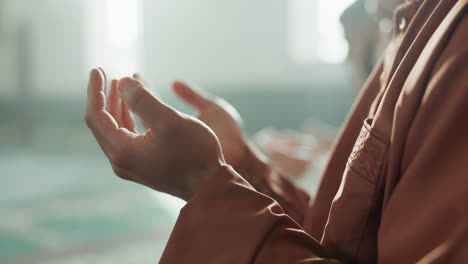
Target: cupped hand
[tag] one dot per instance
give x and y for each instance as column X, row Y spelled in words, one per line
column 220, row 116
column 177, row 153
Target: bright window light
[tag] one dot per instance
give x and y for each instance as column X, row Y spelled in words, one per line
column 332, row 47
column 302, row 34
column 122, row 22
column 315, row 31
column 114, row 35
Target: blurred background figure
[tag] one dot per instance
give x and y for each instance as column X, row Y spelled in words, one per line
column 279, row 63
column 366, row 41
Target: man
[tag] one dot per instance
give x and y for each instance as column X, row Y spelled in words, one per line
column 395, row 189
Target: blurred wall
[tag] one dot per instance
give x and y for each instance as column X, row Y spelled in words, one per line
column 47, row 37
column 239, row 50
column 236, row 49
column 221, row 42
column 209, row 42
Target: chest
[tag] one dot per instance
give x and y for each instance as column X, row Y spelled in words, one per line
column 373, row 168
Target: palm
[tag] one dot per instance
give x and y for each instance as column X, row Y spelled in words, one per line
column 220, row 116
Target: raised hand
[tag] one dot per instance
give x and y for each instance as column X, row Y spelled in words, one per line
column 177, row 153
column 220, row 116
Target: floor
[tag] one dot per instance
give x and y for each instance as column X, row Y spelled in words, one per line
column 61, row 203
column 67, row 207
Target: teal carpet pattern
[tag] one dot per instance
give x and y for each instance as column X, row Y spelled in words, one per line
column 61, row 207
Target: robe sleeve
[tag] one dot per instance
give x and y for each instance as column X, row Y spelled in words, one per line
column 228, row 221
column 267, row 180
column 426, row 220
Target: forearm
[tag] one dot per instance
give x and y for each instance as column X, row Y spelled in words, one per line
column 264, row 178
column 229, row 222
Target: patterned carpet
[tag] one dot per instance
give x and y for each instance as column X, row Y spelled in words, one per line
column 60, row 207
column 60, row 203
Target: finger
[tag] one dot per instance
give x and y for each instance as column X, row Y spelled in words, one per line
column 139, row 77
column 144, row 104
column 127, row 119
column 195, row 98
column 105, row 78
column 106, row 131
column 96, row 93
column 101, row 123
column 114, row 103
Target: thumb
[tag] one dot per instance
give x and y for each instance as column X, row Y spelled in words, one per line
column 190, row 95
column 142, row 102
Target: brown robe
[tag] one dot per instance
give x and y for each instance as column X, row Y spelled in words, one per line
column 395, row 189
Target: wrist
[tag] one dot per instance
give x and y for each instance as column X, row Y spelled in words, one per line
column 197, row 178
column 253, row 165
